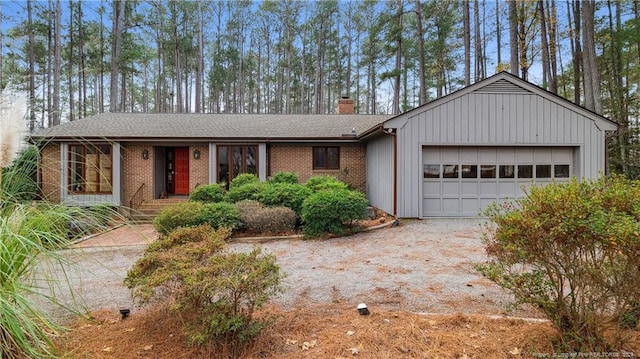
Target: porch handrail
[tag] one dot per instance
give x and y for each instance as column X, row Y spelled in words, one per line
column 136, row 199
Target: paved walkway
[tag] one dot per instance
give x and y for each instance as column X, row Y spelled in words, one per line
column 126, row 235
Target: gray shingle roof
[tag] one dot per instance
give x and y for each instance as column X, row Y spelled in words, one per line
column 212, row 126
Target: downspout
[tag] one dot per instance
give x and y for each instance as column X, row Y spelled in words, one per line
column 392, row 132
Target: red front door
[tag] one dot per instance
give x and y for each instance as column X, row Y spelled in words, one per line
column 182, row 170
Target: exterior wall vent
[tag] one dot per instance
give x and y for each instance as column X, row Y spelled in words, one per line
column 502, row 86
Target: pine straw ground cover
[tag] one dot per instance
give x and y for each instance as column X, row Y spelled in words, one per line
column 329, row 331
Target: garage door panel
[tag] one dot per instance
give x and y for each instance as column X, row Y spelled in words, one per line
column 488, row 189
column 450, row 205
column 508, row 189
column 432, row 205
column 487, row 155
column 524, row 155
column 451, row 189
column 450, row 155
column 506, row 155
column 470, row 205
column 469, row 189
column 431, row 189
column 431, row 155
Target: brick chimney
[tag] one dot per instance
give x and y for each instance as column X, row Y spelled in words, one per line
column 345, row 106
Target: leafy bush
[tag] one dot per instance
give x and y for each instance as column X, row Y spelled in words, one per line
column 284, row 177
column 332, row 211
column 256, row 218
column 243, row 179
column 214, row 292
column 177, row 215
column 283, row 195
column 219, row 215
column 247, row 191
column 209, row 193
column 326, row 182
column 571, row 250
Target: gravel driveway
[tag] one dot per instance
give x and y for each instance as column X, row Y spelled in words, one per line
column 420, row 266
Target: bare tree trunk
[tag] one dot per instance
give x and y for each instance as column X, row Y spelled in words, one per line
column 55, row 115
column 498, row 33
column 200, row 65
column 70, row 76
column 553, row 45
column 478, row 42
column 82, row 80
column 396, row 89
column 49, row 81
column 523, row 47
column 421, row 54
column 32, row 60
column 118, row 21
column 590, row 73
column 467, row 42
column 513, row 37
column 546, row 67
column 577, row 53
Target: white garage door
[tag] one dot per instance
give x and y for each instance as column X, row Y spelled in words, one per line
column 461, row 181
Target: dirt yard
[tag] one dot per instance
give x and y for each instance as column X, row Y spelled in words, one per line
column 418, row 280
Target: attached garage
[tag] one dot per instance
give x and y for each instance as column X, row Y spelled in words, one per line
column 485, row 143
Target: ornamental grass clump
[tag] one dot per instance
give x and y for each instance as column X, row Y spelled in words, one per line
column 571, row 250
column 30, row 234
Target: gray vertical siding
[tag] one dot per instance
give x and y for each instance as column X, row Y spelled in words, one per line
column 494, row 119
column 380, row 172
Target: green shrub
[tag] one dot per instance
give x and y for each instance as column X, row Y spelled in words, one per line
column 266, row 220
column 332, row 211
column 247, row 191
column 326, row 182
column 284, row 177
column 571, row 250
column 177, row 215
column 215, row 292
column 283, row 195
column 219, row 215
column 208, row 193
column 243, row 179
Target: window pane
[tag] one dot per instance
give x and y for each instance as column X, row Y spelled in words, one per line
column 223, row 164
column 525, row 171
column 237, row 161
column 105, row 172
column 543, row 171
column 93, row 171
column 333, row 157
column 431, row 171
column 76, row 160
column 251, row 159
column 487, row 171
column 318, row 157
column 450, row 171
column 507, row 171
column 469, row 171
column 561, row 171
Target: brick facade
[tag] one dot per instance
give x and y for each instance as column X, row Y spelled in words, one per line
column 198, row 169
column 299, row 159
column 50, row 172
column 136, row 171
